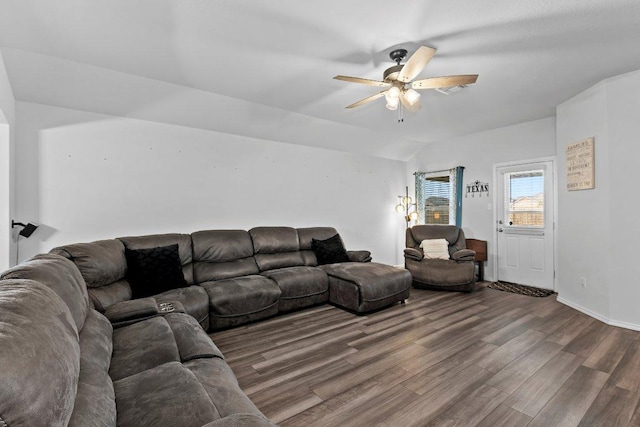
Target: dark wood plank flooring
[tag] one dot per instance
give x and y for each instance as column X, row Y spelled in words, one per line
column 489, row 358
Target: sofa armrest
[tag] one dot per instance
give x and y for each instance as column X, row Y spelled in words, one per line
column 359, row 256
column 413, row 254
column 127, row 312
column 464, row 255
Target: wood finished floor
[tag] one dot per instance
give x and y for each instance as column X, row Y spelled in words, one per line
column 489, row 358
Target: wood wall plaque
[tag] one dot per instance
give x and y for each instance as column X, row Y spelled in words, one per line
column 580, row 165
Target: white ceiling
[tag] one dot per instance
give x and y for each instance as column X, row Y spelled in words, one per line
column 239, row 65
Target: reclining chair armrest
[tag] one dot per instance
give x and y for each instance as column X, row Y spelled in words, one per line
column 127, row 312
column 413, row 254
column 359, row 256
column 464, row 255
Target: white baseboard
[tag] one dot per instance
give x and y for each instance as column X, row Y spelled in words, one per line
column 600, row 317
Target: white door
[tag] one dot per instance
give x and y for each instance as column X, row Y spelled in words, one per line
column 525, row 224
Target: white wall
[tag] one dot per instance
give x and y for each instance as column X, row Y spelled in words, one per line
column 7, row 117
column 86, row 176
column 583, row 216
column 478, row 153
column 599, row 228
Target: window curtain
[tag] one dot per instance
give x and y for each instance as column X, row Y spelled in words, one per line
column 439, row 196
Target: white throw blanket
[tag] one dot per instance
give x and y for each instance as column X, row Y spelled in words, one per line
column 435, row 248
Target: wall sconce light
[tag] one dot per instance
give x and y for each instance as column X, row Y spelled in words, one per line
column 27, row 229
column 407, row 207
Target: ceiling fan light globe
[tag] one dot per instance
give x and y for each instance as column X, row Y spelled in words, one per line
column 394, row 92
column 411, row 96
column 392, row 103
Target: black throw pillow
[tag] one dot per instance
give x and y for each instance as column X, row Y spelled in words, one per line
column 329, row 251
column 154, row 270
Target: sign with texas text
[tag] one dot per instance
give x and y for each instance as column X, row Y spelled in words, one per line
column 580, row 165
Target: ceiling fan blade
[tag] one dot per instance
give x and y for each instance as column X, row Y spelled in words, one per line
column 363, row 81
column 412, row 108
column 367, row 99
column 416, row 63
column 447, row 81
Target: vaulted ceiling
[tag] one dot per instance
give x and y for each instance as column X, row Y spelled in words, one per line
column 264, row 69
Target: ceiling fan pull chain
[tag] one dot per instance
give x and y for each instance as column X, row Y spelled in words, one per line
column 400, row 114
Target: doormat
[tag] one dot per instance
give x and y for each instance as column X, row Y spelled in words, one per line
column 520, row 289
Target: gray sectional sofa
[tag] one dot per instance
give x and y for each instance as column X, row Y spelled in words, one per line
column 78, row 350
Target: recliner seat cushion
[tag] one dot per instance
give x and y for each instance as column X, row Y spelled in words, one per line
column 442, row 273
column 241, row 300
column 165, row 392
column 300, row 286
column 142, row 346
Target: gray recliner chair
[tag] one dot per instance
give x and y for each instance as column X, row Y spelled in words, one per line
column 454, row 274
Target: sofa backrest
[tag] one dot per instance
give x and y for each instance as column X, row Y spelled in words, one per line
column 453, row 235
column 103, row 266
column 62, row 276
column 39, row 355
column 305, row 237
column 276, row 247
column 185, row 248
column 222, row 254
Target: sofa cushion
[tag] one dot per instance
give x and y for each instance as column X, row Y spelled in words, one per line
column 418, row 233
column 185, row 249
column 194, row 299
column 39, row 355
column 222, row 254
column 276, row 247
column 166, row 395
column 300, row 286
column 110, row 294
column 59, row 274
column 191, row 340
column 241, row 300
column 154, row 270
column 222, row 387
column 100, row 263
column 141, row 346
column 95, row 402
column 329, row 251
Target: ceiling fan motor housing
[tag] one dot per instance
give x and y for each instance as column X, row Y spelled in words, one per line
column 391, row 73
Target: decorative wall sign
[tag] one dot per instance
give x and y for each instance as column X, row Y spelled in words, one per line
column 580, row 165
column 478, row 188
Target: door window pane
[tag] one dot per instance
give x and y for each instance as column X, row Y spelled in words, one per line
column 525, row 199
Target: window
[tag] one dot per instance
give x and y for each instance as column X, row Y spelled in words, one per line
column 438, row 196
column 525, row 199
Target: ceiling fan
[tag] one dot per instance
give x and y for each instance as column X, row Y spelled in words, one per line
column 398, row 84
